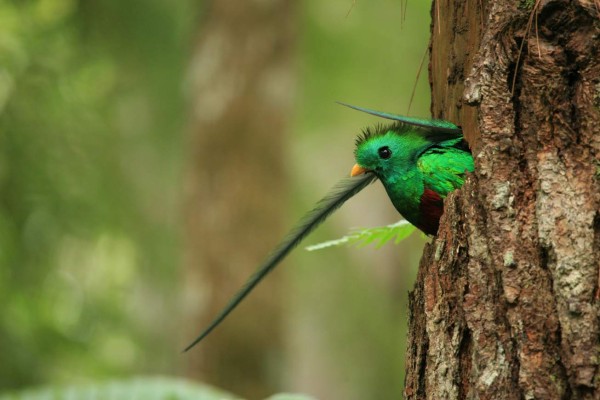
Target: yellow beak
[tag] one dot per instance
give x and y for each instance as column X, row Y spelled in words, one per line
column 357, row 170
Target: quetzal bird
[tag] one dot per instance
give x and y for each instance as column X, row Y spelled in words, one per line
column 418, row 161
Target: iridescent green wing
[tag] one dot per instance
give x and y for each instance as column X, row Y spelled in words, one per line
column 445, row 165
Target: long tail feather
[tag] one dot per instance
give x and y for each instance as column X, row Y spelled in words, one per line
column 438, row 125
column 340, row 193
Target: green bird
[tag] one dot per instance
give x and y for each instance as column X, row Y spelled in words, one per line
column 418, row 161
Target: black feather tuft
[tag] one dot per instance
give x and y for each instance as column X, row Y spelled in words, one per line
column 369, row 132
column 344, row 190
column 432, row 134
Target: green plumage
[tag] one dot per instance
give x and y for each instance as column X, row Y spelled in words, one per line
column 425, row 164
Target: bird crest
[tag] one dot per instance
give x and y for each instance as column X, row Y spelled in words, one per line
column 381, row 129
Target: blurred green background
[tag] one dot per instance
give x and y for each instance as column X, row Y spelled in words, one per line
column 97, row 136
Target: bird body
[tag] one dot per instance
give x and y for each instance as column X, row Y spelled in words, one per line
column 418, row 161
column 417, row 165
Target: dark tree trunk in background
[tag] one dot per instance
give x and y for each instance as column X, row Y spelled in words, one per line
column 241, row 88
column 505, row 303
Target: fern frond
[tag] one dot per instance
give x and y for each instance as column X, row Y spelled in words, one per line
column 379, row 235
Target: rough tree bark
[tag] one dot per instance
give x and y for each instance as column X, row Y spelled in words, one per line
column 505, row 304
column 241, row 85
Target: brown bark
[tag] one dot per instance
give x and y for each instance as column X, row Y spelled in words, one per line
column 505, row 302
column 241, row 83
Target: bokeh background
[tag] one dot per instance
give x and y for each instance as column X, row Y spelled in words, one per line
column 152, row 152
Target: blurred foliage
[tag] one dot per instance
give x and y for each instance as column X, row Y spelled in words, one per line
column 290, row 396
column 91, row 117
column 141, row 388
column 152, row 388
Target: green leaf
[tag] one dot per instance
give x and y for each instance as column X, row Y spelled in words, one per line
column 138, row 388
column 379, row 235
column 143, row 388
column 290, row 396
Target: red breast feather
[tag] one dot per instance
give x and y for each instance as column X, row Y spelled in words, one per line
column 432, row 208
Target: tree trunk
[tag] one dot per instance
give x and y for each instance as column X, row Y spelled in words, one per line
column 241, row 82
column 505, row 304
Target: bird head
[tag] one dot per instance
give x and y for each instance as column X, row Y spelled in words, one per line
column 387, row 150
column 391, row 149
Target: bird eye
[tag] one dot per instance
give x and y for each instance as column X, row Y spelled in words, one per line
column 384, row 152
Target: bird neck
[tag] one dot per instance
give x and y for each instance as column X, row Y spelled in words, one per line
column 405, row 188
